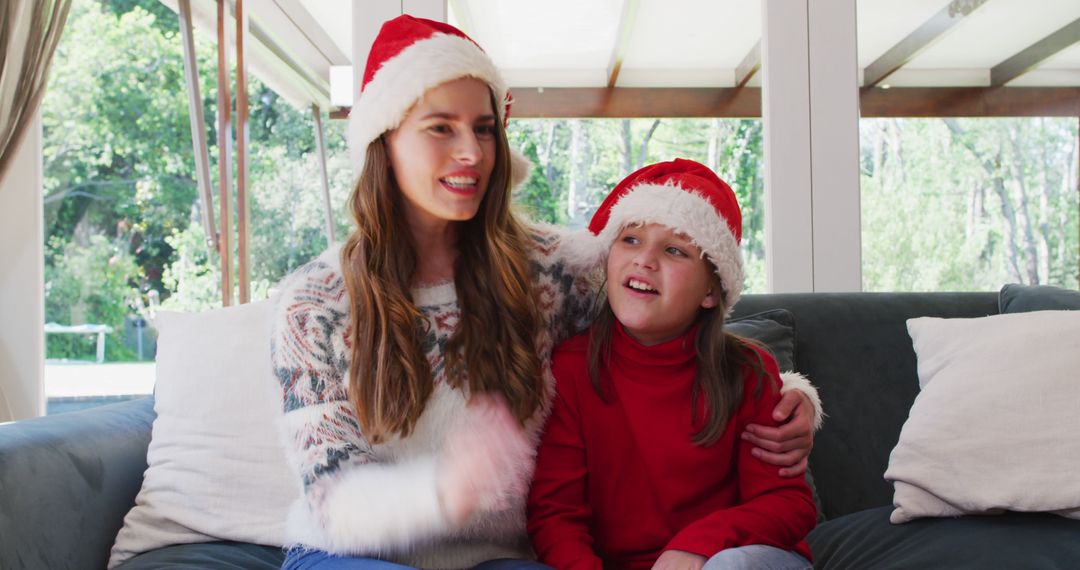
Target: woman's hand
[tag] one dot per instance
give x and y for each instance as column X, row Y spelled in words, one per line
column 484, row 461
column 787, row 445
column 679, row 560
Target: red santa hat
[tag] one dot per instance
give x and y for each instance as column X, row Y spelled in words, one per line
column 409, row 56
column 687, row 197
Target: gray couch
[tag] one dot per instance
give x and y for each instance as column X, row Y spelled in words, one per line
column 67, row 481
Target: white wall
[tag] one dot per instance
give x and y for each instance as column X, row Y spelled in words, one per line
column 22, row 291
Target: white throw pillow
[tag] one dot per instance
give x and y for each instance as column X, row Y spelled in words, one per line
column 996, row 425
column 216, row 467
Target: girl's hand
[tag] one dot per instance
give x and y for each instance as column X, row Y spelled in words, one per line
column 787, row 445
column 679, row 560
column 484, row 462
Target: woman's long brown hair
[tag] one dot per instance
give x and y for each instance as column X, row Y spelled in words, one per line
column 493, row 349
column 722, row 358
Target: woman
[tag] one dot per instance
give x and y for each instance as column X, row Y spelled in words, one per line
column 413, row 361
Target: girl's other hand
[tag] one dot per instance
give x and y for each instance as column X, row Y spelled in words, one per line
column 485, row 460
column 679, row 560
column 787, row 445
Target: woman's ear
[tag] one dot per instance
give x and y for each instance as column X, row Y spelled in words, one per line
column 710, row 299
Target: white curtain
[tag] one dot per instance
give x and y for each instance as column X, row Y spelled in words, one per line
column 29, row 33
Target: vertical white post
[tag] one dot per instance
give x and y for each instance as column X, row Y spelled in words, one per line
column 367, row 18
column 320, row 145
column 810, row 109
column 785, row 109
column 100, row 347
column 197, row 119
column 834, row 142
column 22, row 282
column 430, row 9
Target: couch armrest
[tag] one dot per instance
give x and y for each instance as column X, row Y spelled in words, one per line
column 66, row 482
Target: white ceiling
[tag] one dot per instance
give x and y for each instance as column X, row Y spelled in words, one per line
column 686, row 43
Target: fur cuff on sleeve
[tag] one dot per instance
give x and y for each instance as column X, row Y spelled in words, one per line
column 378, row 509
column 796, row 381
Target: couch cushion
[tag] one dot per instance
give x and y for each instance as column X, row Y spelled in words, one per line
column 1015, row 298
column 1014, row 540
column 216, row 467
column 209, row 556
column 775, row 329
column 995, row 425
column 855, row 348
column 66, row 482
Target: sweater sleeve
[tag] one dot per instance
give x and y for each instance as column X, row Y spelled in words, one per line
column 566, row 281
column 558, row 508
column 773, row 510
column 360, row 504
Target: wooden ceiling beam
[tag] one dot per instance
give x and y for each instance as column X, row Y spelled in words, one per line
column 636, row 102
column 732, row 102
column 915, row 43
column 626, row 102
column 622, row 39
column 971, row 102
column 749, row 66
column 1032, row 56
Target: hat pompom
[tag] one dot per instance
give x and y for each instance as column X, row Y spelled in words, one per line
column 520, row 168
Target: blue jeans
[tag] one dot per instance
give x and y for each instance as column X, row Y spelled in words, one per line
column 757, row 557
column 307, row 559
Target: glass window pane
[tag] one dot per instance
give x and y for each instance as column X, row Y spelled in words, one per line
column 124, row 231
column 969, row 204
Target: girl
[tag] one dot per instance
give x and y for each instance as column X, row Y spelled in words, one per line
column 641, row 464
column 413, row 360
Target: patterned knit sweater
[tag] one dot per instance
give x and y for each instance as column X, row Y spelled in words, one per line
column 380, row 500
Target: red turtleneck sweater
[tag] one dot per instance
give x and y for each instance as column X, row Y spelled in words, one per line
column 617, row 484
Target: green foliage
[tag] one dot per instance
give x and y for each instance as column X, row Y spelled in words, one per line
column 535, row 196
column 119, row 164
column 164, row 19
column 90, row 284
column 290, row 226
column 117, row 142
column 194, row 277
column 968, row 204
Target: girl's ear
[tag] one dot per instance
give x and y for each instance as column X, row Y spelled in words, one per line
column 710, row 300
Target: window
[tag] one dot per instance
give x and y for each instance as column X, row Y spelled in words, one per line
column 953, row 204
column 124, row 236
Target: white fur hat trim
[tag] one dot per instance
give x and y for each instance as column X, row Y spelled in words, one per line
column 688, row 212
column 404, row 79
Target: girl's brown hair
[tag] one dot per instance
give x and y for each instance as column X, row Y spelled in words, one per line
column 494, row 346
column 722, row 357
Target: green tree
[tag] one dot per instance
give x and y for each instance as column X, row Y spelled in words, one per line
column 90, row 284
column 119, row 163
column 117, row 142
column 968, row 204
